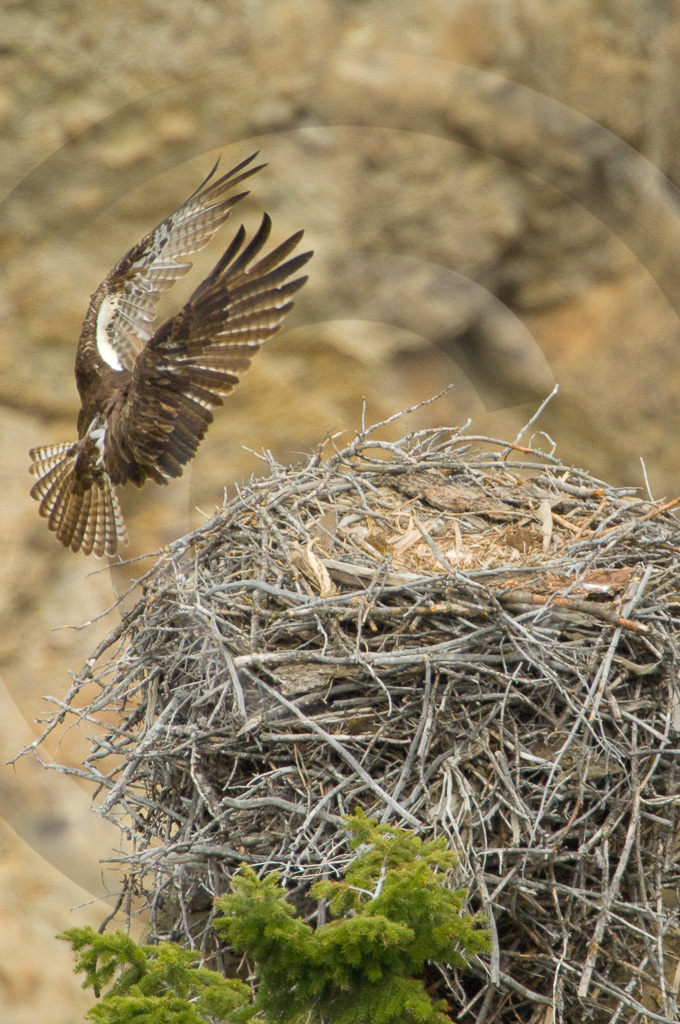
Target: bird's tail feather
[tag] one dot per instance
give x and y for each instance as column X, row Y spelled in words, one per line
column 84, row 519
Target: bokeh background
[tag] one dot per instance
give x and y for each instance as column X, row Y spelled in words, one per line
column 490, row 190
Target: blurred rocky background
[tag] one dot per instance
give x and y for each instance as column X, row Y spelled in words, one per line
column 490, row 190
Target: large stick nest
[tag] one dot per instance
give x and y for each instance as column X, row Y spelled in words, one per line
column 456, row 634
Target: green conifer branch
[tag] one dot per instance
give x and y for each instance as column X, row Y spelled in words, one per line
column 392, row 914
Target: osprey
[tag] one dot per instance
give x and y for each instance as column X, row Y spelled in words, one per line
column 147, row 398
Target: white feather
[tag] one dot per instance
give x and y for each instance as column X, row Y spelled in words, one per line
column 107, row 311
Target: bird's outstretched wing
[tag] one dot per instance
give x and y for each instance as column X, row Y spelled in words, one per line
column 125, row 303
column 198, row 356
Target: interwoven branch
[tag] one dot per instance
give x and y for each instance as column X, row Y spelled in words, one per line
column 451, row 639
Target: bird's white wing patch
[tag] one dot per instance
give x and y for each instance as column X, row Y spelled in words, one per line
column 105, row 328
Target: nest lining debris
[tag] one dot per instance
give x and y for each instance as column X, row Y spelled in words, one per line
column 457, row 634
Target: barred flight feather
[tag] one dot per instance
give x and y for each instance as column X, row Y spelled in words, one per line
column 88, row 519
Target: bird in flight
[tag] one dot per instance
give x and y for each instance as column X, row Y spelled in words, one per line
column 147, row 398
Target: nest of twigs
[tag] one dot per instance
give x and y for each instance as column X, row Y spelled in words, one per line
column 458, row 635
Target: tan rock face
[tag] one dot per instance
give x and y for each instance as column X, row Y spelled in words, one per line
column 481, row 183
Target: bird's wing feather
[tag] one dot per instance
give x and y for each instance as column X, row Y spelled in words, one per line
column 197, row 357
column 132, row 289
